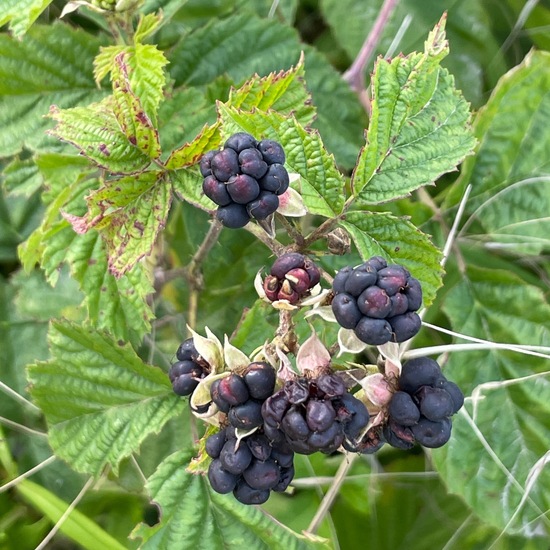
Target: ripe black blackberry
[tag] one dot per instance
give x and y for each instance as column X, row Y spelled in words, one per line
column 255, row 465
column 377, row 301
column 420, row 411
column 314, row 415
column 244, row 179
column 291, row 278
column 186, row 373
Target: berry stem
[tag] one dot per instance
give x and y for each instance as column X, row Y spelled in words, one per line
column 275, row 246
column 325, row 228
column 332, row 493
column 294, row 234
column 210, row 239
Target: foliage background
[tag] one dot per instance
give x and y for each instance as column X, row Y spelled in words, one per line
column 489, row 486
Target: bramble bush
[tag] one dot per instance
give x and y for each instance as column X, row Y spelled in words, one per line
column 251, row 298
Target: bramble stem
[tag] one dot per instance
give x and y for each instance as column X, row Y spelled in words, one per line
column 294, row 234
column 330, row 495
column 355, row 75
column 275, row 246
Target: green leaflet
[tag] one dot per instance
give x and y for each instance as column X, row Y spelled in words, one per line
column 510, row 194
column 399, row 241
column 21, row 177
column 52, row 65
column 118, row 305
column 195, row 517
column 95, row 131
column 100, row 400
column 21, row 14
column 77, row 526
column 129, row 213
column 321, row 184
column 418, row 129
column 146, row 72
column 187, row 184
column 130, row 113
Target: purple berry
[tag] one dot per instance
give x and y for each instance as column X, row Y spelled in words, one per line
column 413, row 291
column 221, row 480
column 435, row 403
column 263, row 206
column 262, row 475
column 344, row 307
column 320, row 415
column 392, row 279
column 240, row 141
column 204, row 164
column 216, row 191
column 403, row 410
column 432, row 434
column 260, row 378
column 294, row 425
column 246, row 416
column 373, row 331
column 233, row 215
column 247, row 495
column 243, row 189
column 224, row 164
column 252, row 163
column 374, row 302
column 276, row 179
column 233, row 390
column 271, row 151
column 405, row 326
column 284, row 263
column 418, row 372
column 235, row 460
column 359, row 279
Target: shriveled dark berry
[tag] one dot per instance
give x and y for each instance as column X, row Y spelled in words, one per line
column 260, row 379
column 285, row 477
column 313, row 272
column 413, row 291
column 272, row 151
column 242, row 188
column 330, row 385
column 214, row 444
column 294, row 425
column 399, row 436
column 399, row 304
column 357, row 416
column 274, row 408
column 221, row 480
column 263, row 206
column 432, row 434
column 284, row 460
column 340, row 279
column 403, row 409
column 284, row 263
column 371, row 442
column 233, row 215
column 182, row 367
column 235, row 459
column 435, row 403
column 405, row 326
column 186, row 350
column 240, row 141
column 297, row 391
column 252, row 163
column 233, row 389
column 359, row 279
column 276, row 179
column 374, row 302
column 329, row 440
column 320, row 415
column 262, row 475
column 221, row 403
column 216, row 191
column 298, row 279
column 225, row 164
column 259, row 446
column 373, row 331
column 456, row 395
column 421, row 371
column 204, row 164
column 273, row 433
column 246, row 416
column 344, row 307
column 247, row 495
column 392, row 279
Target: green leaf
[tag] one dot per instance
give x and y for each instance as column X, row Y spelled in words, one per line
column 194, row 516
column 129, row 213
column 129, row 111
column 223, row 47
column 21, row 177
column 419, row 128
column 146, row 72
column 146, row 26
column 21, row 14
column 77, row 526
column 510, row 195
column 118, row 305
column 190, row 153
column 321, row 184
column 284, row 92
column 51, row 66
column 187, row 184
column 256, row 322
column 94, row 130
column 399, row 241
column 496, row 445
column 100, row 400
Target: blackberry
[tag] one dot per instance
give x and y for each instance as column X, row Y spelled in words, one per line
column 244, row 179
column 186, row 373
column 377, row 301
column 291, row 278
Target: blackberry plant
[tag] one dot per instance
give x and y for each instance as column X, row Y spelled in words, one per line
column 243, row 274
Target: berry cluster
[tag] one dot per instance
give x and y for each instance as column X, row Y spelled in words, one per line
column 292, row 276
column 250, row 468
column 244, row 179
column 255, row 465
column 378, row 301
column 314, row 415
column 186, row 373
column 420, row 411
